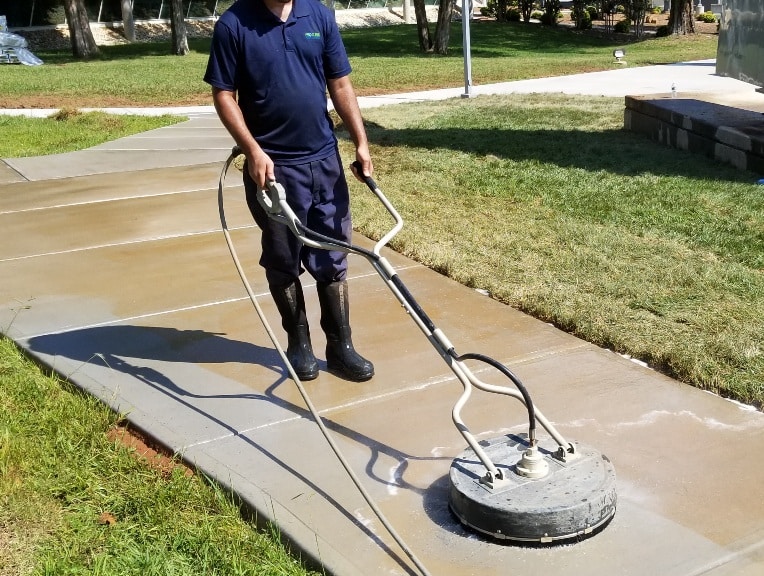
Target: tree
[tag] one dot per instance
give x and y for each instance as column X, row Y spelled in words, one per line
column 178, row 28
column 501, row 10
column 635, row 12
column 580, row 15
column 551, row 12
column 128, row 22
column 83, row 44
column 442, row 28
column 680, row 17
column 526, row 9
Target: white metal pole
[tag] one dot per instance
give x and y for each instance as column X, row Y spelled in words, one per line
column 407, row 11
column 466, row 17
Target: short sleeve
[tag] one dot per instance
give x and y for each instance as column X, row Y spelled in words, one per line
column 223, row 61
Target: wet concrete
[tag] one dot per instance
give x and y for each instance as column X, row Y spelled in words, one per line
column 120, row 279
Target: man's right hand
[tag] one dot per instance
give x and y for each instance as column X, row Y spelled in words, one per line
column 260, row 168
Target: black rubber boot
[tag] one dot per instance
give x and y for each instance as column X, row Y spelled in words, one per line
column 291, row 305
column 341, row 357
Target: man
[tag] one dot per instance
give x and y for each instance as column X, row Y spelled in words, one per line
column 271, row 63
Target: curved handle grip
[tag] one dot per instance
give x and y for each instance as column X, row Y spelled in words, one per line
column 358, row 169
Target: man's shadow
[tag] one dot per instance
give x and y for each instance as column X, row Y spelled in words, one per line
column 123, row 347
column 113, row 346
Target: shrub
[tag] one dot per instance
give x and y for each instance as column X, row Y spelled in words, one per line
column 593, row 14
column 513, row 15
column 537, row 14
column 662, row 31
column 580, row 15
column 551, row 12
column 657, row 10
column 622, row 26
column 707, row 17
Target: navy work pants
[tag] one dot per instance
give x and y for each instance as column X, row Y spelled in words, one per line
column 318, row 194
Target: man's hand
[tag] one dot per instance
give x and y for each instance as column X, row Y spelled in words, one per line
column 260, row 167
column 363, row 158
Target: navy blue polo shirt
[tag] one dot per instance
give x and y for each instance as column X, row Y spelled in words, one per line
column 279, row 70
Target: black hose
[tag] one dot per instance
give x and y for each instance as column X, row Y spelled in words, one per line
column 508, row 373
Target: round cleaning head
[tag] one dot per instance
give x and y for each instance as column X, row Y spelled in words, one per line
column 541, row 499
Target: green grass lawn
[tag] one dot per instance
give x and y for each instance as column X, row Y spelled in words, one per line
column 547, row 203
column 385, row 60
column 69, row 130
column 74, row 501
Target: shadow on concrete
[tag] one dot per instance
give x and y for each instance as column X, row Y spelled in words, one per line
column 111, row 346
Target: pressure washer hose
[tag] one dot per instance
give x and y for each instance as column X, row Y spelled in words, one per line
column 298, row 383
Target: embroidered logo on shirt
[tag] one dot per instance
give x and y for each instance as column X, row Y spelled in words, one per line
column 313, row 35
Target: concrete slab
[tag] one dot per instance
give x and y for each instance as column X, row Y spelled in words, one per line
column 123, row 283
column 26, row 196
column 8, row 174
column 704, row 124
column 199, row 140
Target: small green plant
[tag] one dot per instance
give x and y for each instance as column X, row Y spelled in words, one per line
column 657, row 10
column 580, row 15
column 593, row 14
column 708, row 17
column 551, row 13
column 622, row 26
column 537, row 14
column 513, row 15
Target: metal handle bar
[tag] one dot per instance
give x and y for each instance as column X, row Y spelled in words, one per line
column 274, row 202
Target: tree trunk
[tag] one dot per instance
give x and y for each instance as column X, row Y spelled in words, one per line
column 501, row 10
column 422, row 28
column 443, row 27
column 680, row 17
column 526, row 9
column 80, row 34
column 178, row 28
column 128, row 22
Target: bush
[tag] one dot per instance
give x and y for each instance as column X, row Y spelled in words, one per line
column 707, row 17
column 551, row 12
column 593, row 14
column 537, row 14
column 513, row 15
column 585, row 23
column 622, row 26
column 657, row 10
column 580, row 15
column 662, row 31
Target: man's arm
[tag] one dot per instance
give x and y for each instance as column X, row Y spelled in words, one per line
column 259, row 163
column 346, row 104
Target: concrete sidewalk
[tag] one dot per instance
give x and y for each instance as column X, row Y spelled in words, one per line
column 115, row 273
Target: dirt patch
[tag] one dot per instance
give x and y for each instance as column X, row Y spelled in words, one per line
column 155, row 458
column 54, row 102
